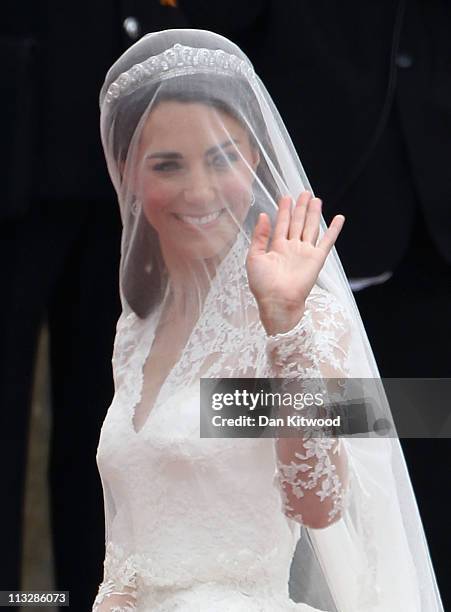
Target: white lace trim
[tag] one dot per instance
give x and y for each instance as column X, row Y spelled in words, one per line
column 109, row 589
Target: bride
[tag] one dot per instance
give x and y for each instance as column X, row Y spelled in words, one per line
column 227, row 272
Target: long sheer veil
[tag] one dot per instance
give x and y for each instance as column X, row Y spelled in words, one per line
column 375, row 557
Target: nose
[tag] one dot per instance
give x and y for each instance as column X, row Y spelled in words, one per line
column 199, row 190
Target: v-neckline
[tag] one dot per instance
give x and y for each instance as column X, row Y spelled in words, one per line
column 164, row 383
column 155, row 318
column 146, row 352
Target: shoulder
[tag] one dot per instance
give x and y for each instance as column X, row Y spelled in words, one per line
column 130, row 330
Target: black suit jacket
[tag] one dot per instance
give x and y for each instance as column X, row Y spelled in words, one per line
column 365, row 91
column 55, row 56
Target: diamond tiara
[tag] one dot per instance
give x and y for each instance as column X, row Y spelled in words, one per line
column 178, row 60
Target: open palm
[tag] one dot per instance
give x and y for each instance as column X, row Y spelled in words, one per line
column 282, row 277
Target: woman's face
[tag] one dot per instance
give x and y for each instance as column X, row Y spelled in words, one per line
column 195, row 176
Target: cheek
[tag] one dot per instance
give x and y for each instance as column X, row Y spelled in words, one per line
column 156, row 196
column 236, row 190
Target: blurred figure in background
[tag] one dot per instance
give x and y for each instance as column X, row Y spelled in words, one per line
column 54, row 268
column 372, row 122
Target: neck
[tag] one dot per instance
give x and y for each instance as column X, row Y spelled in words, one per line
column 189, row 283
column 190, row 280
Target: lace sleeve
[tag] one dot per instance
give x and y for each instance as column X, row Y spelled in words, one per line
column 312, row 473
column 109, row 599
column 117, row 592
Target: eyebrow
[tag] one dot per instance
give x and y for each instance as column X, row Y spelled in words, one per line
column 175, row 155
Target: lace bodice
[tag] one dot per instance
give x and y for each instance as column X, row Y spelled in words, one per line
column 182, row 511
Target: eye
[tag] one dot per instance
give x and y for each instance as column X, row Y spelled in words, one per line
column 224, row 160
column 166, row 166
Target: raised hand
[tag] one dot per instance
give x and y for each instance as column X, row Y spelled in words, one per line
column 282, row 277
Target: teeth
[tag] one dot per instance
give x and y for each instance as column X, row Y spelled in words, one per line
column 200, row 220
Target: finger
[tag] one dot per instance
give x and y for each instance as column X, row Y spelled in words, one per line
column 283, row 218
column 312, row 220
column 331, row 234
column 260, row 236
column 298, row 216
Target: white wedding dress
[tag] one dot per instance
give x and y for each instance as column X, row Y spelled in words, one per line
column 197, row 524
column 211, row 525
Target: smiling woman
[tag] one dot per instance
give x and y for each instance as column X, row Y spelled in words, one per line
column 189, row 184
column 229, row 271
column 182, row 112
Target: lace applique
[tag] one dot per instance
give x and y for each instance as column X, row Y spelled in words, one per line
column 322, row 476
column 109, row 599
column 244, row 570
column 126, row 359
column 317, row 347
column 119, row 582
column 315, row 355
